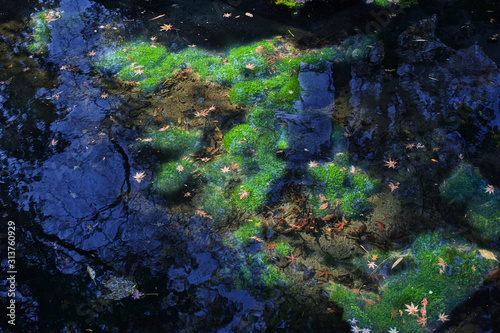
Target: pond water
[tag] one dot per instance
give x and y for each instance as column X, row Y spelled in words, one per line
column 228, row 166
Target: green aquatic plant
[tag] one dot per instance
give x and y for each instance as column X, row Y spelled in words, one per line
column 486, row 218
column 271, row 277
column 241, row 139
column 41, row 31
column 290, row 3
column 354, row 203
column 464, row 184
column 282, row 89
column 401, row 3
column 172, row 176
column 466, row 187
column 247, row 92
column 441, row 271
column 282, row 249
column 171, row 142
column 216, row 202
column 251, row 228
column 252, row 194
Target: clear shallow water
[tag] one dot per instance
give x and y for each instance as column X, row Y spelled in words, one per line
column 69, row 155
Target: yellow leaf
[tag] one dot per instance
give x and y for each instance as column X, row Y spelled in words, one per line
column 488, row 254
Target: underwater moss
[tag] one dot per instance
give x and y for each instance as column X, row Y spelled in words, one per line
column 244, row 278
column 401, row 3
column 354, row 203
column 41, row 31
column 246, row 92
column 172, row 142
column 486, row 218
column 282, row 249
column 173, row 175
column 282, row 89
column 240, row 139
column 271, row 277
column 336, row 177
column 290, row 3
column 216, row 202
column 464, row 184
column 360, row 181
column 146, row 64
column 252, row 194
column 251, row 228
column 202, row 62
column 263, row 119
column 283, row 144
column 444, row 272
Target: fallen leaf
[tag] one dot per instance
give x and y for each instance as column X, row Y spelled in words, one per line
column 488, row 255
column 396, row 262
column 328, row 217
column 323, row 206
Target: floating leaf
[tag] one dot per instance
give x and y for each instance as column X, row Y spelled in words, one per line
column 323, row 206
column 397, row 262
column 488, row 254
column 328, row 217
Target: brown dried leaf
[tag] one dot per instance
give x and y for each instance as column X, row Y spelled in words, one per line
column 328, row 217
column 323, row 206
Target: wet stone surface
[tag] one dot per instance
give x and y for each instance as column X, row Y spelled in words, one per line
column 69, row 175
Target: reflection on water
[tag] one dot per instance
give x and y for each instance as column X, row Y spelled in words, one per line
column 206, row 166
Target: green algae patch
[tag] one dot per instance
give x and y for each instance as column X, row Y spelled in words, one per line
column 282, row 249
column 145, row 64
column 441, row 273
column 466, row 187
column 463, row 185
column 251, row 228
column 171, row 142
column 334, row 186
column 172, row 176
column 271, row 277
column 290, row 3
column 247, row 92
column 41, row 31
column 241, row 139
column 401, row 3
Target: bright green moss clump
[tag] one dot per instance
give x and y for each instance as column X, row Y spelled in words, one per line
column 401, row 3
column 252, row 228
column 41, row 30
column 290, row 3
column 172, row 142
column 282, row 249
column 146, row 64
column 462, row 270
column 271, row 277
column 241, row 139
column 173, row 175
column 340, row 187
column 246, row 92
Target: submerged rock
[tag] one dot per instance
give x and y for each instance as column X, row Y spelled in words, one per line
column 318, row 92
column 432, row 83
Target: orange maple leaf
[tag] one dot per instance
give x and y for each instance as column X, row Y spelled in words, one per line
column 323, row 206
